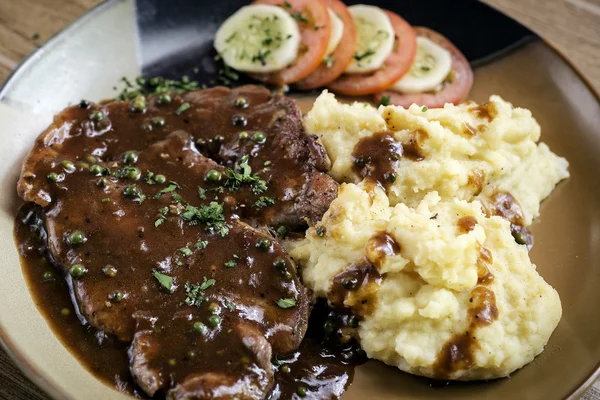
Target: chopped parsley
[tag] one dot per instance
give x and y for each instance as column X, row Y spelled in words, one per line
column 328, row 61
column 211, row 215
column 365, row 54
column 182, row 108
column 155, row 86
column 229, row 264
column 298, row 16
column 282, row 232
column 194, row 295
column 320, row 231
column 287, row 5
column 201, row 244
column 385, row 100
column 264, row 201
column 185, row 251
column 230, row 305
column 105, row 200
column 242, row 174
column 201, row 193
column 207, row 283
column 173, row 186
column 424, row 109
column 286, row 302
column 177, row 197
column 162, row 216
column 166, row 282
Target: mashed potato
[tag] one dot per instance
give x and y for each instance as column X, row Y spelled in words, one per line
column 468, row 152
column 457, row 299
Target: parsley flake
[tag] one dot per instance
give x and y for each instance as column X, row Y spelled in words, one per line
column 166, row 282
column 264, row 201
column 185, row 251
column 173, row 186
column 242, row 174
column 182, row 108
column 211, row 215
column 201, row 244
column 385, row 100
column 286, row 302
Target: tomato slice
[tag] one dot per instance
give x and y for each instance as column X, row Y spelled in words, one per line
column 315, row 28
column 461, row 79
column 395, row 66
column 340, row 58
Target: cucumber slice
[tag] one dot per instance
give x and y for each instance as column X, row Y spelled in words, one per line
column 375, row 38
column 258, row 38
column 432, row 65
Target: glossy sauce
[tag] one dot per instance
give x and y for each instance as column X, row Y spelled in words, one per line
column 376, row 158
column 167, row 265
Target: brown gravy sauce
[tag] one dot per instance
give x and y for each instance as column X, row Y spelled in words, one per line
column 323, row 364
column 355, row 288
column 376, row 158
column 380, row 246
column 506, row 206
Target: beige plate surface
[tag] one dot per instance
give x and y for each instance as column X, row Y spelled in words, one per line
column 567, row 249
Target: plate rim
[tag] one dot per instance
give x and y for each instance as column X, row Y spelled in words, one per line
column 32, row 371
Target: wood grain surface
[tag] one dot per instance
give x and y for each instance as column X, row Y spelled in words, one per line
column 572, row 26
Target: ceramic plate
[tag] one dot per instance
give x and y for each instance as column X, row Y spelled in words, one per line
column 155, row 37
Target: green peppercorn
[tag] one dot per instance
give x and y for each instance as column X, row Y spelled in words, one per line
column 134, row 174
column 213, row 175
column 77, row 270
column 130, row 157
column 84, row 104
column 301, row 391
column 139, row 104
column 213, row 308
column 164, row 98
column 131, row 191
column 286, row 369
column 160, row 179
column 219, row 139
column 279, row 263
column 90, row 159
column 259, row 137
column 96, row 170
column 48, row 275
column 241, row 102
column 116, row 296
column 199, row 328
column 214, row 321
column 390, row 177
column 109, row 270
column 96, row 116
column 102, row 182
column 243, row 135
column 68, row 166
column 83, row 165
column 53, row 177
column 394, row 157
column 287, row 275
column 76, row 238
column 158, row 122
column 65, row 312
column 353, row 322
column 520, row 237
column 172, row 362
column 263, row 243
column 350, row 283
column 190, row 354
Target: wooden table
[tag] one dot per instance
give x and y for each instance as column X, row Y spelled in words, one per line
column 572, row 26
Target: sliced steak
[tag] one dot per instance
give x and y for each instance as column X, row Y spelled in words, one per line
column 225, row 124
column 162, row 256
